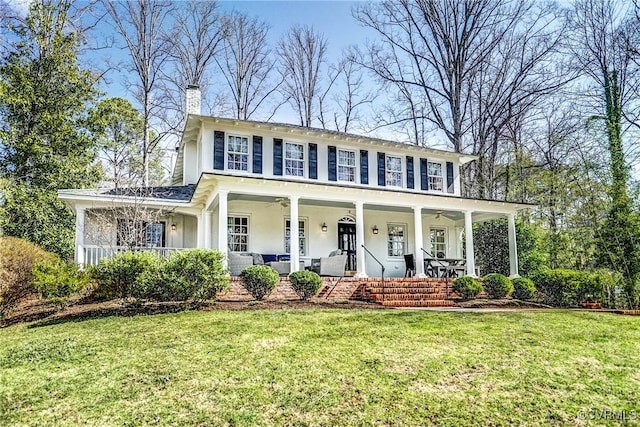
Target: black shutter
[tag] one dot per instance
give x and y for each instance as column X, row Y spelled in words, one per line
column 277, row 156
column 218, row 150
column 449, row 177
column 333, row 164
column 364, row 167
column 381, row 170
column 257, row 154
column 424, row 180
column 313, row 161
column 410, row 178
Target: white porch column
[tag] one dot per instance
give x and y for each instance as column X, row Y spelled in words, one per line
column 223, row 230
column 199, row 230
column 207, row 229
column 513, row 247
column 294, row 233
column 80, row 213
column 468, row 237
column 360, row 255
column 417, row 225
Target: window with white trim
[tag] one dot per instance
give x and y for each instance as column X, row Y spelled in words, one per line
column 238, row 233
column 237, row 153
column 346, row 166
column 396, row 240
column 393, row 171
column 434, row 172
column 302, row 236
column 438, row 240
column 294, row 159
column 140, row 234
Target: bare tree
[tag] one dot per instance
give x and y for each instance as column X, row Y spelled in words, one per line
column 429, row 51
column 302, row 52
column 519, row 74
column 602, row 34
column 246, row 64
column 131, row 225
column 195, row 37
column 141, row 25
column 345, row 94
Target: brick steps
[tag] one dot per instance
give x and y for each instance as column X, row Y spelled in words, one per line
column 407, row 290
column 423, row 303
column 408, row 297
column 412, row 292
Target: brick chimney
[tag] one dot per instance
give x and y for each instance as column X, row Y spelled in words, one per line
column 193, row 104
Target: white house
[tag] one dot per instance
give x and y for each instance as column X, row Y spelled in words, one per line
column 246, row 186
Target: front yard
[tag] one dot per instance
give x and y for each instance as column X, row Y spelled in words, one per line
column 324, row 367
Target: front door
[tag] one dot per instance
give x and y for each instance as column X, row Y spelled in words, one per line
column 347, row 242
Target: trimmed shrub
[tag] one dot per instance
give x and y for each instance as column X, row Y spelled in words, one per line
column 196, row 274
column 523, row 288
column 115, row 277
column 17, row 259
column 58, row 280
column 467, row 287
column 305, row 283
column 567, row 288
column 497, row 285
column 259, row 280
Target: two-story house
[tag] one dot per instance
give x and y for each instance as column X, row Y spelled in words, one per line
column 247, row 186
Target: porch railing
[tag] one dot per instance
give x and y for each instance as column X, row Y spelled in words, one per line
column 381, row 267
column 94, row 253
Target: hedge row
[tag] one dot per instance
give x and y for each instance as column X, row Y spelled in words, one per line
column 195, row 274
column 558, row 288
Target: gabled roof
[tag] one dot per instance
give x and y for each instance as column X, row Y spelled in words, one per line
column 194, row 122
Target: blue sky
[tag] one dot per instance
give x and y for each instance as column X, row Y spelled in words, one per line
column 332, row 18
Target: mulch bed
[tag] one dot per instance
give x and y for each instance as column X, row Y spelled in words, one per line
column 43, row 313
column 500, row 303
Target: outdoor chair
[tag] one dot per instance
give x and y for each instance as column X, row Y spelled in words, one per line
column 334, row 264
column 410, row 265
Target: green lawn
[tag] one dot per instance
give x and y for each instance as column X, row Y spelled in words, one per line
column 324, row 367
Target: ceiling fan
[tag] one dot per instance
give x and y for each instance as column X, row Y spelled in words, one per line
column 282, row 201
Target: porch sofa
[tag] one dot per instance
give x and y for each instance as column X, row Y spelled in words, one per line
column 240, row 261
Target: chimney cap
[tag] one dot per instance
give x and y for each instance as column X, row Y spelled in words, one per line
column 193, row 86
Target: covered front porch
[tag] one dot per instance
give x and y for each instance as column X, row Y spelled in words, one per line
column 395, row 231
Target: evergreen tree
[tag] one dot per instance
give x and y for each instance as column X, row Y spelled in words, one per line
column 44, row 142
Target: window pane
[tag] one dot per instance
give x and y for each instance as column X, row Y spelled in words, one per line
column 437, row 237
column 238, row 153
column 394, row 171
column 395, row 242
column 302, row 239
column 238, row 233
column 346, row 166
column 435, row 176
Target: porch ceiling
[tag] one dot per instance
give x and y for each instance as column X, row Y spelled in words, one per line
column 271, row 190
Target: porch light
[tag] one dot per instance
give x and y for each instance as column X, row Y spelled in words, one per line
column 324, row 227
column 375, row 229
column 174, row 227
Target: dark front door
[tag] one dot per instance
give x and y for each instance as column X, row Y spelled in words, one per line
column 347, row 242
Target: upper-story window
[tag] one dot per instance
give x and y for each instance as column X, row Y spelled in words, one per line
column 346, row 166
column 394, row 171
column 237, row 153
column 435, row 176
column 294, row 159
